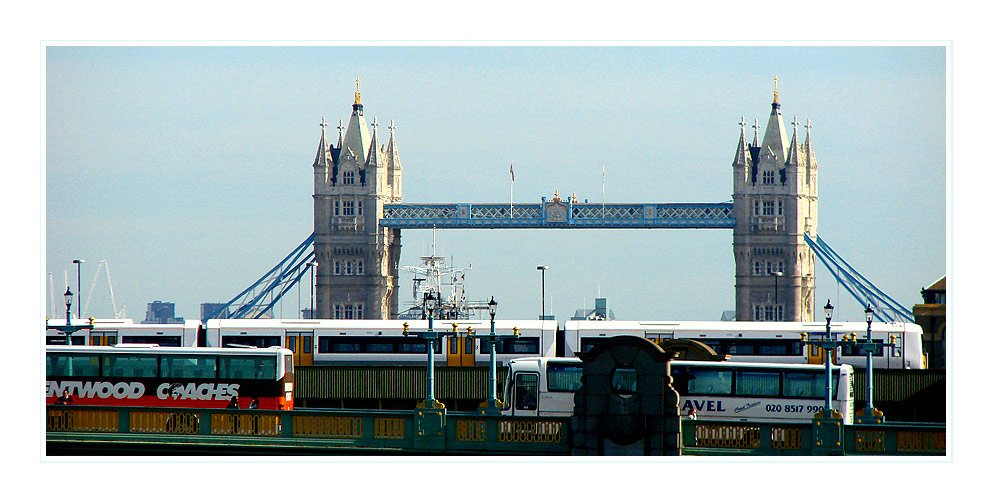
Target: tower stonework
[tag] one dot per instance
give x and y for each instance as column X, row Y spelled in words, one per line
column 357, row 259
column 775, row 204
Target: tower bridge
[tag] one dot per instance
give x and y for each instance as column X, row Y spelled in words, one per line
column 359, row 213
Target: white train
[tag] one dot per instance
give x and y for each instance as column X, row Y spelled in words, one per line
column 365, row 342
column 755, row 341
column 358, row 342
column 330, row 342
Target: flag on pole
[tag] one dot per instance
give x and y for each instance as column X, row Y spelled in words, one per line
column 511, row 171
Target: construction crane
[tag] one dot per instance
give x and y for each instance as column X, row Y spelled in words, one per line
column 110, row 286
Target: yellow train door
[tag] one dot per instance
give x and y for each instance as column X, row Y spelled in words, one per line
column 460, row 351
column 302, row 345
column 103, row 338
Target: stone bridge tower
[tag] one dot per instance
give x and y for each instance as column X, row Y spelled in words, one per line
column 357, row 259
column 775, row 204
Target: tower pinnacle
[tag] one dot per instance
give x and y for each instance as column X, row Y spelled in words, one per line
column 358, row 96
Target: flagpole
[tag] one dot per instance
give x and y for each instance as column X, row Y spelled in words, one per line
column 511, row 189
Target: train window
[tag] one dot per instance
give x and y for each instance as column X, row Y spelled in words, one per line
column 703, row 381
column 247, row 367
column 172, row 341
column 291, row 344
column 382, row 347
column 346, row 347
column 521, row 345
column 413, row 347
column 895, row 350
column 756, row 383
column 188, row 367
column 587, row 343
column 308, row 344
column 258, row 341
column 806, row 384
column 526, row 391
column 564, row 376
column 453, row 345
column 469, row 345
column 129, row 366
column 740, row 348
column 72, row 365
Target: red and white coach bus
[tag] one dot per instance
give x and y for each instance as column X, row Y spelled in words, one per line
column 149, row 375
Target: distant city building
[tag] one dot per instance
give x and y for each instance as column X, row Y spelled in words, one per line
column 161, row 312
column 931, row 317
column 599, row 312
column 212, row 310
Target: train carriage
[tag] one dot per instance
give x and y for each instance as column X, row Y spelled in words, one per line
column 374, row 342
column 108, row 332
column 780, row 342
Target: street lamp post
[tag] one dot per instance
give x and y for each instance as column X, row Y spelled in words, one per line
column 79, row 306
column 493, row 384
column 869, row 409
column 430, row 303
column 828, row 313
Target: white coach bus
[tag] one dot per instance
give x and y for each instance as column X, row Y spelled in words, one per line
column 715, row 390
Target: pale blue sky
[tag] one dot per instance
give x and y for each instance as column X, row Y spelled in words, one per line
column 189, row 169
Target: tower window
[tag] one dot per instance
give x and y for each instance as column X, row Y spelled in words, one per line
column 768, row 207
column 768, row 177
column 348, row 178
column 348, row 208
column 755, row 207
column 779, row 208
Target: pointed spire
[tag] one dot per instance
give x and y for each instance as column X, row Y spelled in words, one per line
column 373, row 158
column 341, row 129
column 774, row 138
column 792, row 157
column 392, row 155
column 358, row 96
column 755, row 139
column 811, row 161
column 321, row 161
column 741, row 154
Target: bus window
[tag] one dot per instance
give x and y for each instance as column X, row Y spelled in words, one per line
column 624, row 381
column 564, row 376
column 247, row 367
column 129, row 366
column 188, row 367
column 72, row 365
column 806, row 384
column 756, row 383
column 709, row 382
column 526, row 391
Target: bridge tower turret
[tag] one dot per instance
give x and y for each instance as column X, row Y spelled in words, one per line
column 775, row 204
column 357, row 259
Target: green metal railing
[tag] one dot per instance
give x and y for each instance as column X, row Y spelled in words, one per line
column 91, row 429
column 818, row 437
